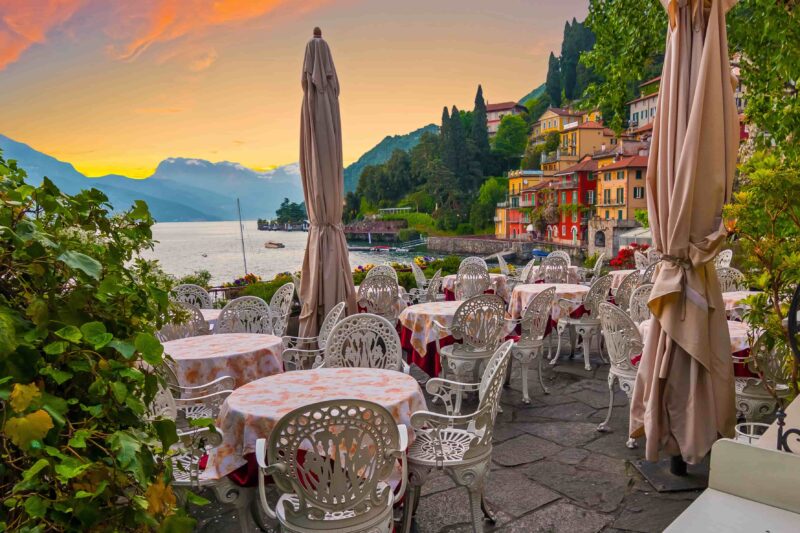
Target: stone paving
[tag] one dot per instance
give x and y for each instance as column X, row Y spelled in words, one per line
column 552, row 471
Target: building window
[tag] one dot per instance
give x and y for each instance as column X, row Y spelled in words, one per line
column 590, row 197
column 606, row 196
column 638, row 174
column 607, row 176
column 575, row 215
column 607, row 217
column 619, row 214
column 574, row 197
column 563, row 231
column 620, row 196
column 620, row 174
column 638, row 192
column 590, row 176
column 563, row 197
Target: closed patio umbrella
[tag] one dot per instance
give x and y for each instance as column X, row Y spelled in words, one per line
column 683, row 399
column 326, row 276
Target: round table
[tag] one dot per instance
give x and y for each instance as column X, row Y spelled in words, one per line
column 419, row 321
column 617, row 276
column 572, row 274
column 211, row 316
column 243, row 356
column 740, row 340
column 499, row 283
column 522, row 295
column 736, row 298
column 251, row 411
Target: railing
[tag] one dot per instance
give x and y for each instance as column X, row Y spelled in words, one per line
column 502, row 204
column 612, row 203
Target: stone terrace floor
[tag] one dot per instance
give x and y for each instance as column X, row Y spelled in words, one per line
column 552, row 471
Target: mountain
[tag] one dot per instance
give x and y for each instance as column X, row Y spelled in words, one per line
column 381, row 152
column 533, row 94
column 179, row 190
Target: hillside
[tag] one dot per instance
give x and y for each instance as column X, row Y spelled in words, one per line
column 381, row 152
column 533, row 94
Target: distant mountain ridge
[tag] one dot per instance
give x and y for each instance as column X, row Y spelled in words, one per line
column 381, row 152
column 533, row 94
column 180, row 189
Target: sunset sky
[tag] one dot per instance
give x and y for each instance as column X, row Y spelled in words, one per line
column 117, row 86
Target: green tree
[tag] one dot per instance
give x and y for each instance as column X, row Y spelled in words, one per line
column 553, row 80
column 536, row 107
column 480, row 131
column 481, row 213
column 511, row 138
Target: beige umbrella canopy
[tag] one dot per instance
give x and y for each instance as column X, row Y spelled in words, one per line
column 326, row 277
column 683, row 399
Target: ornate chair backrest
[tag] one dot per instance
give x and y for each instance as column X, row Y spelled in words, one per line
column 503, row 265
column 479, row 323
column 471, row 280
column 638, row 308
column 649, row 272
column 473, row 260
column 434, row 287
column 331, row 319
column 598, row 293
column 622, row 337
column 163, row 405
column 194, row 326
column 730, row 279
column 192, row 294
column 771, row 365
column 246, row 314
column 623, row 295
column 724, row 258
column 653, row 256
column 640, row 259
column 554, row 269
column 378, row 295
column 364, row 340
column 526, row 271
column 333, row 456
column 562, row 254
column 296, row 281
column 598, row 265
column 280, row 306
column 382, row 270
column 489, row 392
column 537, row 314
column 419, row 275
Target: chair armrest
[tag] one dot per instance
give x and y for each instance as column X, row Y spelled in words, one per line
column 290, row 341
column 424, row 420
column 265, row 470
column 402, row 430
column 220, row 384
column 448, row 391
column 301, row 359
column 199, row 439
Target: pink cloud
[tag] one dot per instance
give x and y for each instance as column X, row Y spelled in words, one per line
column 24, row 23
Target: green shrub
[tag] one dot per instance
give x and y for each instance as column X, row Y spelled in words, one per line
column 198, row 277
column 465, row 228
column 590, row 260
column 265, row 289
column 78, row 313
column 449, row 265
column 408, row 234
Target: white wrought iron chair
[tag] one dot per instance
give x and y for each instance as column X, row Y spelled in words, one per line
column 300, row 353
column 380, row 295
column 192, row 294
column 562, row 254
column 246, row 314
column 192, row 325
column 199, row 401
column 479, row 325
column 364, row 340
column 588, row 274
column 280, row 306
column 588, row 325
column 531, row 341
column 501, row 261
column 433, row 293
column 382, row 270
column 623, row 342
column 723, row 259
column 638, row 309
column 420, row 292
column 653, row 256
column 622, row 296
column 554, row 269
column 471, row 280
column 473, row 260
column 461, row 446
column 757, row 398
column 731, row 280
column 640, row 259
column 332, row 462
column 521, row 276
column 647, row 275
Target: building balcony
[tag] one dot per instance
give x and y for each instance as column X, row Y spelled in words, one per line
column 552, row 157
column 502, row 205
column 498, row 219
column 612, row 203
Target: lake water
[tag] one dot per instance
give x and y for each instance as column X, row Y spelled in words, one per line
column 184, row 247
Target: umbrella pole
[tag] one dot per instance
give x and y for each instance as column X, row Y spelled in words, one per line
column 677, row 466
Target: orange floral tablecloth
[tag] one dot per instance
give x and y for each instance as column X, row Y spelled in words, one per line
column 736, row 298
column 243, row 356
column 572, row 274
column 523, row 294
column 211, row 316
column 419, row 321
column 738, row 332
column 617, row 276
column 251, row 412
column 499, row 284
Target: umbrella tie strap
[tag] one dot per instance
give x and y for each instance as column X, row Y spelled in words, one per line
column 327, row 225
column 685, row 265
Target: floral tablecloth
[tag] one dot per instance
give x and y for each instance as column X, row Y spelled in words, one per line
column 499, row 285
column 419, row 320
column 523, row 294
column 211, row 316
column 244, row 356
column 617, row 276
column 736, row 298
column 572, row 274
column 252, row 411
column 738, row 332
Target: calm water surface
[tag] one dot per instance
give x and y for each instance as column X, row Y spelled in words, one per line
column 184, row 247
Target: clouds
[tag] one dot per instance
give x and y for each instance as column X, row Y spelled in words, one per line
column 24, row 23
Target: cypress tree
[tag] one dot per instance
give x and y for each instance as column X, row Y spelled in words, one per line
column 553, row 81
column 459, row 145
column 480, row 130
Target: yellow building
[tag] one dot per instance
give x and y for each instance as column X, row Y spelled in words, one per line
column 554, row 119
column 620, row 186
column 508, row 218
column 578, row 139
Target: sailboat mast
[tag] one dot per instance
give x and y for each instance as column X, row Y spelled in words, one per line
column 241, row 234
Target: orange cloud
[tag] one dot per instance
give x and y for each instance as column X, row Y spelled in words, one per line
column 24, row 23
column 149, row 22
column 204, row 61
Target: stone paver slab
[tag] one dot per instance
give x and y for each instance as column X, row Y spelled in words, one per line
column 563, row 433
column 523, row 449
column 560, row 517
column 598, row 490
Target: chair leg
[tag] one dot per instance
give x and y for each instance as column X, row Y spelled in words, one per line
column 523, row 363
column 487, row 512
column 603, row 427
column 476, row 506
column 559, row 332
column 409, row 507
column 541, row 371
column 586, row 335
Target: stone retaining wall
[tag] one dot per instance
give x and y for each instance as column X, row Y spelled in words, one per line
column 488, row 246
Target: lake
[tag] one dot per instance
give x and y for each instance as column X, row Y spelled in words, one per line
column 184, row 247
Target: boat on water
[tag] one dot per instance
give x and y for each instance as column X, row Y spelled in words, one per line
column 273, row 244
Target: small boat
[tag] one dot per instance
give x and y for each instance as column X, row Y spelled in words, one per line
column 273, row 244
column 381, row 248
column 204, row 255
